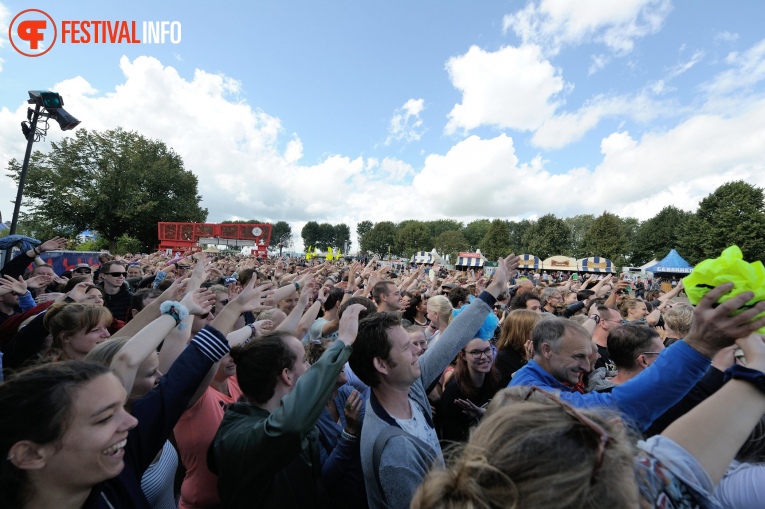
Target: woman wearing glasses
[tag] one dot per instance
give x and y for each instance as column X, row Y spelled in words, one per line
column 474, row 383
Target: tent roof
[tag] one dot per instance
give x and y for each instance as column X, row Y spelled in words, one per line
column 672, row 263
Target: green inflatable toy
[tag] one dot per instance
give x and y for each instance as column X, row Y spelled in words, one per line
column 730, row 267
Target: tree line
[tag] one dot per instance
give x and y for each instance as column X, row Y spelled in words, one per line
column 733, row 214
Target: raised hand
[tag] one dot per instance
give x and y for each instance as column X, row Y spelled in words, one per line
column 352, row 413
column 53, row 244
column 18, row 287
column 349, row 324
column 199, row 302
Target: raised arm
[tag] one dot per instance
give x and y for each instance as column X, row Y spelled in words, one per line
column 708, row 432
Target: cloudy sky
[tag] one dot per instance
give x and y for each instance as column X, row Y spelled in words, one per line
column 396, row 110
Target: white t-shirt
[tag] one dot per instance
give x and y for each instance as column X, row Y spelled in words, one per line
column 417, row 426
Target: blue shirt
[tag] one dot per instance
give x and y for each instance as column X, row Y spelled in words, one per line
column 643, row 398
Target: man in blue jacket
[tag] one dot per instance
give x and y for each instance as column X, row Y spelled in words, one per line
column 561, row 348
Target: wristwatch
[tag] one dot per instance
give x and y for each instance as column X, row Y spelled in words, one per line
column 739, row 372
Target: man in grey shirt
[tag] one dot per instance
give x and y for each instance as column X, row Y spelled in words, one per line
column 398, row 439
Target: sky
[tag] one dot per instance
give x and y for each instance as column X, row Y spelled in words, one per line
column 348, row 111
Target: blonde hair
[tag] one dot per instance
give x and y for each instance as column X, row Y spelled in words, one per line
column 534, row 455
column 679, row 318
column 627, row 304
column 441, row 305
column 516, row 329
column 103, row 353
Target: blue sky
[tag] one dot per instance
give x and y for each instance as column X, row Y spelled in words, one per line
column 346, row 111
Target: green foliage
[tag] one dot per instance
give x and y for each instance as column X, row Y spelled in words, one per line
column 496, row 242
column 440, row 226
column 517, row 232
column 733, row 214
column 475, row 231
column 281, row 231
column 413, row 236
column 380, row 238
column 115, row 182
column 578, row 226
column 325, row 235
column 450, row 243
column 547, row 237
column 656, row 236
column 606, row 237
column 362, row 228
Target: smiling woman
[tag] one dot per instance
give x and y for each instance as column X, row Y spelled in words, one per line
column 63, row 430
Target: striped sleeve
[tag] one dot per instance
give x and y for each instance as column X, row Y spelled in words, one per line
column 211, row 343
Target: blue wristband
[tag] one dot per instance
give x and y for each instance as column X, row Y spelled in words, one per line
column 175, row 309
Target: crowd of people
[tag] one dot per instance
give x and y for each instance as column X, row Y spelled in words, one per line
column 196, row 382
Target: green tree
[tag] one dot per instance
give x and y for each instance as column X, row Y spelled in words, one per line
column 450, row 243
column 362, row 228
column 733, row 214
column 342, row 235
column 547, row 237
column 496, row 242
column 440, row 226
column 281, row 232
column 578, row 225
column 311, row 235
column 475, row 231
column 656, row 236
column 606, row 237
column 413, row 236
column 517, row 232
column 326, row 236
column 114, row 182
column 380, row 238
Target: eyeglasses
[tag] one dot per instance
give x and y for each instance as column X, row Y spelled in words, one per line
column 603, row 437
column 488, row 352
column 115, row 274
column 649, row 353
column 82, row 270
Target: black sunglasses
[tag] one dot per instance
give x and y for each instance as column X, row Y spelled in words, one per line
column 116, row 274
column 82, row 270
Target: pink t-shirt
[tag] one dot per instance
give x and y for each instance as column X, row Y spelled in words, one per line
column 193, row 434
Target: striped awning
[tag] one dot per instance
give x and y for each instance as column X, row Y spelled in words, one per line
column 595, row 264
column 560, row 263
column 469, row 260
column 529, row 262
column 422, row 257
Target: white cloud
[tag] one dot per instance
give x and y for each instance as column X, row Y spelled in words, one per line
column 726, row 37
column 555, row 23
column 660, row 86
column 5, row 18
column 598, row 63
column 509, row 88
column 246, row 169
column 747, row 69
column 406, row 124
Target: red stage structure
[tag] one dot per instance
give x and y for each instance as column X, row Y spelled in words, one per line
column 184, row 236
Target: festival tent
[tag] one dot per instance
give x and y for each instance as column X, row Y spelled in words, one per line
column 560, row 263
column 673, row 263
column 466, row 260
column 529, row 262
column 595, row 264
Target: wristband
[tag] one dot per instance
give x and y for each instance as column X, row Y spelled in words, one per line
column 348, row 436
column 349, row 292
column 35, row 250
column 297, row 287
column 175, row 309
column 739, row 372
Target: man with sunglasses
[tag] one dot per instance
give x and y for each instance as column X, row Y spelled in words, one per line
column 117, row 294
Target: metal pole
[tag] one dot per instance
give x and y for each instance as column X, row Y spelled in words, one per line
column 24, row 166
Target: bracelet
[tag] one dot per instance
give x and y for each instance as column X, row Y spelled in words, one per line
column 175, row 309
column 739, row 372
column 349, row 292
column 36, row 251
column 297, row 287
column 348, row 436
